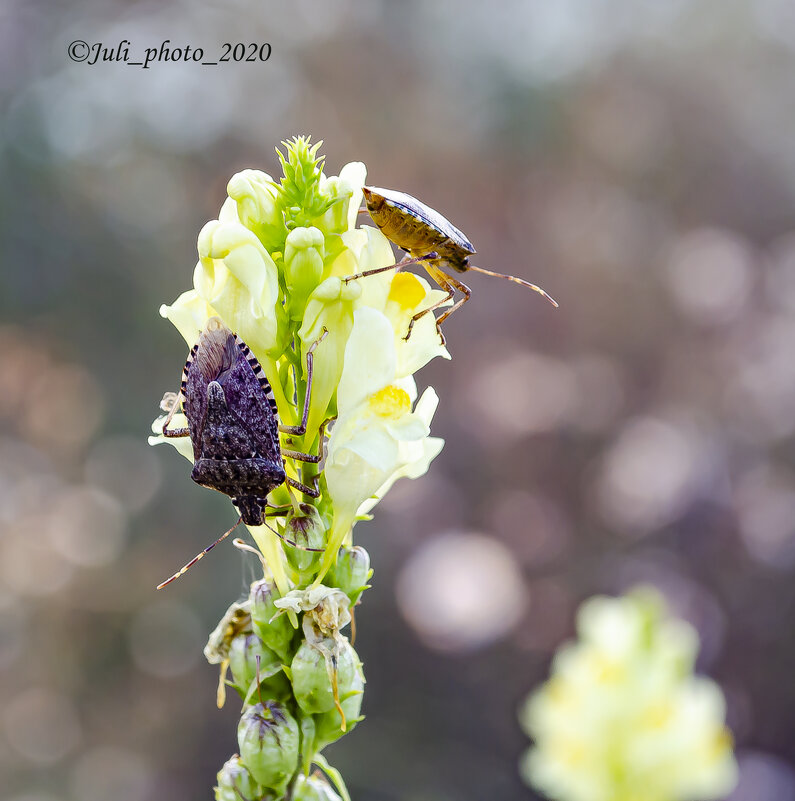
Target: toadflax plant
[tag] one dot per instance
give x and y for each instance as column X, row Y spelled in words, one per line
column 272, row 269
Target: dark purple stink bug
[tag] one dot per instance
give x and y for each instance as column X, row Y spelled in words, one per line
column 234, row 427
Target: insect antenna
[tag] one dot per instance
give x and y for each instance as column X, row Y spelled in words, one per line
column 516, row 281
column 198, row 556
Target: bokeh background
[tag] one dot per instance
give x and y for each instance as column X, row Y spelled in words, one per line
column 633, row 157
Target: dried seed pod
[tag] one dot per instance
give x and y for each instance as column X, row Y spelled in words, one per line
column 268, row 738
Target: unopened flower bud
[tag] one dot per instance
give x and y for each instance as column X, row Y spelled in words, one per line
column 235, row 782
column 276, row 633
column 255, row 196
column 351, row 573
column 313, row 788
column 250, row 657
column 268, row 740
column 330, row 308
column 304, row 252
column 305, row 536
column 316, row 668
column 346, row 190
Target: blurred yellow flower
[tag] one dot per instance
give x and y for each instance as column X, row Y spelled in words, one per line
column 623, row 718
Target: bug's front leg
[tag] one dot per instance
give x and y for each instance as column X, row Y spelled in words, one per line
column 467, row 294
column 397, row 267
column 171, row 402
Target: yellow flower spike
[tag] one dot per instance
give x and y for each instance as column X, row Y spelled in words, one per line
column 620, row 719
column 272, row 268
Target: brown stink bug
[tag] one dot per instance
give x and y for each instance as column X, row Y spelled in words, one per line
column 431, row 240
column 234, row 427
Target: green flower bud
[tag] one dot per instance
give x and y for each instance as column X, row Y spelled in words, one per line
column 304, row 252
column 313, row 788
column 345, row 192
column 256, row 197
column 307, row 531
column 313, row 670
column 235, row 783
column 243, row 662
column 330, row 307
column 351, row 573
column 269, row 742
column 277, row 634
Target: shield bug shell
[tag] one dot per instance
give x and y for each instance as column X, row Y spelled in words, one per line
column 430, row 239
column 233, row 426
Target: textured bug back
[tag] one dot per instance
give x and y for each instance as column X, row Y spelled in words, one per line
column 232, row 420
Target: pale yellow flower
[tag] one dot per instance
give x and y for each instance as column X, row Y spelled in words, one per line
column 377, row 436
column 239, row 279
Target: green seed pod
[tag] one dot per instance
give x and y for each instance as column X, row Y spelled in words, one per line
column 313, row 670
column 277, row 634
column 243, row 662
column 313, row 788
column 306, row 530
column 235, row 782
column 328, row 725
column 351, row 573
column 269, row 742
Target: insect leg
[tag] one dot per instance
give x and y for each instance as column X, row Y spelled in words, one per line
column 440, row 279
column 397, row 267
column 311, row 492
column 175, row 432
column 302, row 457
column 301, row 429
column 199, row 556
column 467, row 294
